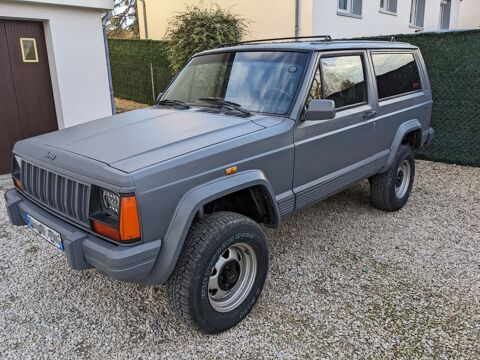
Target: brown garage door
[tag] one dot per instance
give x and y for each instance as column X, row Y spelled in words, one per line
column 26, row 98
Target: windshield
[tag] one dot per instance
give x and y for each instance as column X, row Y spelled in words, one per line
column 259, row 81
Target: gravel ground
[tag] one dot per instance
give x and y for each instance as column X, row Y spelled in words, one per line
column 346, row 281
column 122, row 105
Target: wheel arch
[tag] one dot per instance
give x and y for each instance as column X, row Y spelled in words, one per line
column 409, row 127
column 189, row 206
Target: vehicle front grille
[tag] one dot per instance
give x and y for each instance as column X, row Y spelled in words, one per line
column 57, row 192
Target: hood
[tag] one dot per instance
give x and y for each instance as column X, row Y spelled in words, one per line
column 140, row 138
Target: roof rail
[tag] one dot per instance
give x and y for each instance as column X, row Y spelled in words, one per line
column 296, row 38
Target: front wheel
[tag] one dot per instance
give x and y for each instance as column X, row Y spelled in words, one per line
column 221, row 271
column 391, row 189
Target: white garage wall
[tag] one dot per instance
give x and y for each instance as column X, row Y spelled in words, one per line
column 76, row 56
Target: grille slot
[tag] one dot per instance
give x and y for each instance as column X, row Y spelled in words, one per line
column 57, row 192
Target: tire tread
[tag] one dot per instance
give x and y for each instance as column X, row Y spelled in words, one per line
column 382, row 185
column 199, row 237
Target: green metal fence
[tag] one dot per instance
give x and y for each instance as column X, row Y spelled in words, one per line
column 453, row 64
column 140, row 71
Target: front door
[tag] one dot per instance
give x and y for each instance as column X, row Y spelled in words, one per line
column 26, row 98
column 332, row 154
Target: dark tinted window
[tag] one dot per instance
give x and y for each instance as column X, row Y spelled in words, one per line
column 344, row 80
column 396, row 74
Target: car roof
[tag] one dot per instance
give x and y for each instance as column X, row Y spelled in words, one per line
column 315, row 46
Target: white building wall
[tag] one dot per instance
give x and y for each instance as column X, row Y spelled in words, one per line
column 76, row 56
column 373, row 22
column 469, row 17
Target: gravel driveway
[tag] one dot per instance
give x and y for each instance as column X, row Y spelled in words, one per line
column 345, row 280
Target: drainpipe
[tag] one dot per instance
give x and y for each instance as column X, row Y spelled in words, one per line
column 105, row 20
column 144, row 11
column 297, row 16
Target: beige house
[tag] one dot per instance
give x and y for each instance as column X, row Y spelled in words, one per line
column 338, row 18
column 153, row 15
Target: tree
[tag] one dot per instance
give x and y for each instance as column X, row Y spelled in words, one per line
column 196, row 29
column 124, row 22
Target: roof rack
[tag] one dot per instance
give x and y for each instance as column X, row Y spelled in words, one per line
column 296, row 38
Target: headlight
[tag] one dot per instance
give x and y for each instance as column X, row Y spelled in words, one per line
column 115, row 216
column 16, row 171
column 18, row 161
column 111, row 202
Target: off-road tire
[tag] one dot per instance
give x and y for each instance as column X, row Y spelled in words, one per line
column 382, row 186
column 209, row 238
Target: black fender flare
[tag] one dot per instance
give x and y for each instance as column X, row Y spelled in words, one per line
column 402, row 130
column 186, row 210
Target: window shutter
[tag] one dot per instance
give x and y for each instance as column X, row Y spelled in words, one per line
column 420, row 13
column 392, row 6
column 357, row 7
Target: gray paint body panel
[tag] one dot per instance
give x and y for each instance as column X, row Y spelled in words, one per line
column 174, row 160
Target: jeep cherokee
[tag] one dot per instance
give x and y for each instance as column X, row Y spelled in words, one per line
column 244, row 135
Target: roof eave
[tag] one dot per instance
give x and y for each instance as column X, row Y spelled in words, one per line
column 101, row 5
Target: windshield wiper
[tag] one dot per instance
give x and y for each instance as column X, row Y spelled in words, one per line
column 226, row 104
column 179, row 103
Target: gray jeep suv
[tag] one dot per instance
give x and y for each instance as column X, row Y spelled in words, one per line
column 244, row 135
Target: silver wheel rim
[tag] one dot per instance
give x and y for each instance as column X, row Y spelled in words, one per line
column 402, row 180
column 232, row 277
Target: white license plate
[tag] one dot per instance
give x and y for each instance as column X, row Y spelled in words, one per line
column 52, row 236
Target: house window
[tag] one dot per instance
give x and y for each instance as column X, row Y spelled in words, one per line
column 396, row 74
column 350, row 8
column 388, row 6
column 445, row 8
column 417, row 13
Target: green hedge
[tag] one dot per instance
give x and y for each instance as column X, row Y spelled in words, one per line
column 453, row 65
column 133, row 63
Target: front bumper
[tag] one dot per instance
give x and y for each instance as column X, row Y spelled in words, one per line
column 84, row 250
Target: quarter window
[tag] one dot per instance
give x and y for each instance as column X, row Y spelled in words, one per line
column 396, row 74
column 316, row 89
column 344, row 80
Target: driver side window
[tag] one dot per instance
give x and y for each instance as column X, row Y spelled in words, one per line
column 341, row 79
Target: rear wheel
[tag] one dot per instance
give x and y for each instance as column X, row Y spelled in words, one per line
column 390, row 190
column 221, row 271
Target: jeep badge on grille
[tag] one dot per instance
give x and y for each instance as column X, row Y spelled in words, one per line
column 50, row 156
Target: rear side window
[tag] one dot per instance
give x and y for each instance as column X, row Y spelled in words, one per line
column 344, row 80
column 396, row 74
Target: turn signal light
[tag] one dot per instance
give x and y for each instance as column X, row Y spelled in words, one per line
column 18, row 184
column 231, row 170
column 128, row 226
column 105, row 230
column 129, row 223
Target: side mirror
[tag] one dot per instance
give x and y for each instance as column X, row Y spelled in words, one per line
column 320, row 110
column 159, row 97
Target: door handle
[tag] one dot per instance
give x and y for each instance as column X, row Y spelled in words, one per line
column 370, row 115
